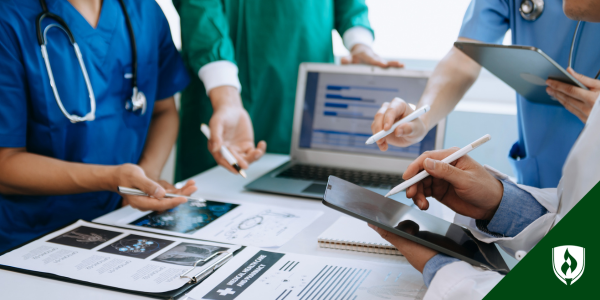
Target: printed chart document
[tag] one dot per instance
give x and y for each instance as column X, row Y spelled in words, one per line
column 240, row 224
column 114, row 257
column 258, row 274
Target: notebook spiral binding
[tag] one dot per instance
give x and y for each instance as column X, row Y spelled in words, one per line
column 358, row 246
column 204, row 273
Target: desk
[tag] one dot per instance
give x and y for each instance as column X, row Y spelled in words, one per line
column 214, row 184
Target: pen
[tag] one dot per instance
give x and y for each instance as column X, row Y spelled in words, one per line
column 136, row 192
column 224, row 151
column 415, row 114
column 452, row 157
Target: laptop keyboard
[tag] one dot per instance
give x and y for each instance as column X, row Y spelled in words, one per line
column 362, row 178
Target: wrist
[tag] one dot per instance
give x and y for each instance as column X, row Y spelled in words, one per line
column 107, row 178
column 225, row 96
column 359, row 48
column 496, row 199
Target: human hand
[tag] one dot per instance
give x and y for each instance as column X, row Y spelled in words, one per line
column 133, row 176
column 363, row 54
column 575, row 99
column 186, row 190
column 405, row 134
column 230, row 125
column 464, row 185
column 416, row 254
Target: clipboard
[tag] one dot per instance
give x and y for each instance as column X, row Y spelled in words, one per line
column 218, row 259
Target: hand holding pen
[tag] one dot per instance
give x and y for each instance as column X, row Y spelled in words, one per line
column 223, row 155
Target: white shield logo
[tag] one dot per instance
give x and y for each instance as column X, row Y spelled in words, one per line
column 568, row 263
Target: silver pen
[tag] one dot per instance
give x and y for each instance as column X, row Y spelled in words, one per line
column 136, row 192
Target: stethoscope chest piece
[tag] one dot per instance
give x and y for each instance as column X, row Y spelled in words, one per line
column 531, row 10
column 137, row 103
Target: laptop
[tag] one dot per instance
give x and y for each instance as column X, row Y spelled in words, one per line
column 335, row 106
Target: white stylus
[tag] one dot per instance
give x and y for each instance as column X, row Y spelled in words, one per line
column 224, row 151
column 452, row 157
column 415, row 114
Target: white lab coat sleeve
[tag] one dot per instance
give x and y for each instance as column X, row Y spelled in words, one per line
column 532, row 234
column 460, row 280
column 219, row 73
column 357, row 35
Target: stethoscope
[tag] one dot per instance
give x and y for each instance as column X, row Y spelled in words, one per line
column 532, row 9
column 138, row 99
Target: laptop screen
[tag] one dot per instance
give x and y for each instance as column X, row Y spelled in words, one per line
column 339, row 109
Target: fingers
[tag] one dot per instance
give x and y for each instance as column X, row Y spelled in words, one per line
column 346, row 61
column 254, row 154
column 147, row 203
column 395, row 64
column 417, row 165
column 573, row 108
column 396, row 111
column 394, row 239
column 148, row 186
column 572, row 91
column 587, row 81
column 404, row 129
column 442, row 170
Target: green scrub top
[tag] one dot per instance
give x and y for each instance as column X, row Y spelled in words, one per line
column 267, row 40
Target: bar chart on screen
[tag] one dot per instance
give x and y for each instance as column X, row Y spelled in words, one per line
column 345, row 107
column 279, row 276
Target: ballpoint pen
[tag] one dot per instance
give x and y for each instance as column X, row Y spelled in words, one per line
column 224, row 151
column 452, row 157
column 136, row 192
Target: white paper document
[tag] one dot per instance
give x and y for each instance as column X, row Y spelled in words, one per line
column 241, row 224
column 258, row 274
column 115, row 257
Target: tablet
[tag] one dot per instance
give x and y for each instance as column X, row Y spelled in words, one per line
column 523, row 68
column 411, row 223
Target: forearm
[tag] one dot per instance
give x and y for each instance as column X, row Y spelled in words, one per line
column 450, row 81
column 162, row 135
column 24, row 173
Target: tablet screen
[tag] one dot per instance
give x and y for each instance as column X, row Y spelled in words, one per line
column 410, row 222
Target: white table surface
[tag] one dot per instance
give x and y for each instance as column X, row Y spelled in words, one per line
column 214, row 184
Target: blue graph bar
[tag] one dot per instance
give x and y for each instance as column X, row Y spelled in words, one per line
column 348, row 115
column 356, row 87
column 336, row 105
column 341, row 132
column 334, row 96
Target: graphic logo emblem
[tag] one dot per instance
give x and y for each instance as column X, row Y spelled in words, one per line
column 568, row 263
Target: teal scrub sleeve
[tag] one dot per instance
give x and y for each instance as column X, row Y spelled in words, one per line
column 172, row 74
column 13, row 95
column 351, row 13
column 204, row 32
column 486, row 21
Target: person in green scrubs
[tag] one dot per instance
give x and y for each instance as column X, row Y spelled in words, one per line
column 245, row 57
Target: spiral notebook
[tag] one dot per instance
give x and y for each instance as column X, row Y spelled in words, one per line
column 355, row 235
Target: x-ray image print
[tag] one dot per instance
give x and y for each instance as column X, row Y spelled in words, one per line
column 186, row 254
column 85, row 237
column 136, row 246
column 186, row 218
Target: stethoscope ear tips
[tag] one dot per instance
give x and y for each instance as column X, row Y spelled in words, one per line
column 531, row 10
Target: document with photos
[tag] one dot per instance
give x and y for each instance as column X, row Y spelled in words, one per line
column 115, row 257
column 241, row 224
column 258, row 274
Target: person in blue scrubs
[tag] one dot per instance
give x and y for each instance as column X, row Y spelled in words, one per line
column 53, row 171
column 546, row 133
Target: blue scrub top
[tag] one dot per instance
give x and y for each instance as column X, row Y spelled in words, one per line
column 31, row 118
column 546, row 133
